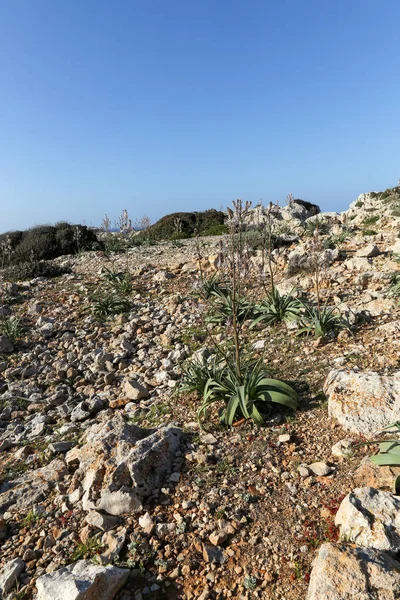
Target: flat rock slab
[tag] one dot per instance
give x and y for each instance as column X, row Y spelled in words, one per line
column 83, row 580
column 371, row 518
column 121, row 464
column 31, row 488
column 343, row 572
column 363, row 402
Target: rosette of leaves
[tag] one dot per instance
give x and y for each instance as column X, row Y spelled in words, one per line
column 277, row 308
column 248, row 395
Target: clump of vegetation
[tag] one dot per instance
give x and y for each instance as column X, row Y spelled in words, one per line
column 105, row 304
column 185, row 225
column 277, row 308
column 11, row 327
column 45, row 242
column 248, row 394
column 32, row 269
column 394, row 289
column 235, row 382
column 88, row 550
column 369, row 232
column 371, row 220
column 319, row 320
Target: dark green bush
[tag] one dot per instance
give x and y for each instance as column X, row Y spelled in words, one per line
column 183, row 225
column 30, row 270
column 46, row 242
column 216, row 230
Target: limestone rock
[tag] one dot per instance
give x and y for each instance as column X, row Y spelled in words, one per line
column 381, row 477
column 343, row 572
column 82, row 581
column 370, row 518
column 363, row 402
column 133, row 390
column 121, row 464
column 369, row 251
column 31, row 488
column 9, row 575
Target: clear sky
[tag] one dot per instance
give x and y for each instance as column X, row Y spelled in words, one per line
column 165, row 105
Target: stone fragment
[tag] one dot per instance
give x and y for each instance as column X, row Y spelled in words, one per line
column 83, row 580
column 342, row 448
column 6, row 345
column 320, row 468
column 146, row 523
column 212, row 554
column 104, row 522
column 218, row 537
column 9, row 574
column 134, row 390
column 369, row 251
column 342, row 572
column 370, row 518
column 363, row 402
column 114, row 540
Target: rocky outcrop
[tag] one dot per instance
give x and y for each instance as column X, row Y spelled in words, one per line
column 363, row 402
column 343, row 572
column 121, row 464
column 82, row 581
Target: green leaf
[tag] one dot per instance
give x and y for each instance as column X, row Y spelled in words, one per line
column 387, row 458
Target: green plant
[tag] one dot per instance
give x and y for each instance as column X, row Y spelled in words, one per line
column 107, row 303
column 11, row 327
column 225, row 306
column 389, row 449
column 120, row 282
column 87, row 550
column 30, row 519
column 276, row 308
column 359, row 204
column 316, row 225
column 249, row 394
column 371, row 220
column 320, row 320
column 369, row 232
column 394, row 289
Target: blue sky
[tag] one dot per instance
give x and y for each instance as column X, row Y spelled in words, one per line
column 159, row 106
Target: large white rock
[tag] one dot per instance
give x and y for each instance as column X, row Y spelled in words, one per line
column 83, row 580
column 9, row 574
column 371, row 518
column 121, row 464
column 363, row 402
column 343, row 572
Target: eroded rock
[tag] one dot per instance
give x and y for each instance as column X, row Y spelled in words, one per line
column 343, row 572
column 363, row 402
column 121, row 464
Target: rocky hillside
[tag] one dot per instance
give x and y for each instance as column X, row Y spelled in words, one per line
column 109, row 488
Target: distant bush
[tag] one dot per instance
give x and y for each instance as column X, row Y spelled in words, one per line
column 46, row 242
column 359, row 204
column 30, row 270
column 371, row 220
column 183, row 225
column 369, row 232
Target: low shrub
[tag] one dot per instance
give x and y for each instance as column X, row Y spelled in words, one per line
column 30, row 270
column 46, row 242
column 183, row 225
column 368, row 232
column 371, row 220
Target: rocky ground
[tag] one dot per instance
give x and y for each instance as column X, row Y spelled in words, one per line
column 107, row 483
